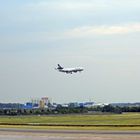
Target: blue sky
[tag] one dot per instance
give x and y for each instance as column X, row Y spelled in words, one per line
column 102, row 36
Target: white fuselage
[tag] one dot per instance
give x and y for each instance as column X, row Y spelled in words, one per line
column 69, row 70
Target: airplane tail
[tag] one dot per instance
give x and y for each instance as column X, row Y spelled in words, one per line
column 59, row 67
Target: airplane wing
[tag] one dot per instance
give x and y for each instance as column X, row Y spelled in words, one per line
column 71, row 70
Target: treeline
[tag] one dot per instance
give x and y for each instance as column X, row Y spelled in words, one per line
column 116, row 109
column 69, row 110
column 39, row 111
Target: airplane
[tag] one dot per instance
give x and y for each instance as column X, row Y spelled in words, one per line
column 69, row 70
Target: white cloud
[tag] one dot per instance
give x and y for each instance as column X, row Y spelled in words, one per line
column 103, row 30
column 82, row 5
column 67, row 5
column 79, row 32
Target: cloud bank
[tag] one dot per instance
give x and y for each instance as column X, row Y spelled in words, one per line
column 79, row 32
column 104, row 30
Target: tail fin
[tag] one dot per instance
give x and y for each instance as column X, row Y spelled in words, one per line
column 59, row 67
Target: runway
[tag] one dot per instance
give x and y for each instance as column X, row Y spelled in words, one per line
column 30, row 134
column 101, row 132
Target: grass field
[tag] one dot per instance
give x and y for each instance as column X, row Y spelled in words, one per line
column 112, row 119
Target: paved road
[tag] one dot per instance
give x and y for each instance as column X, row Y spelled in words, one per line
column 30, row 134
column 101, row 132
